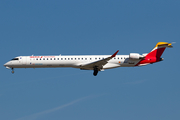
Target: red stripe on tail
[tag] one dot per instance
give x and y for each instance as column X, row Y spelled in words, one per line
column 153, row 56
column 156, row 53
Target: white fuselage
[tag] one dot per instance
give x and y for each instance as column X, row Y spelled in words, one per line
column 75, row 61
column 90, row 62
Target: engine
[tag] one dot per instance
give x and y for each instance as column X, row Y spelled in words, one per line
column 135, row 56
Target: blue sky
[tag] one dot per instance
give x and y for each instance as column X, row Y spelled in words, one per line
column 89, row 27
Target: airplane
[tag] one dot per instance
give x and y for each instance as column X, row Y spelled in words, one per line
column 90, row 62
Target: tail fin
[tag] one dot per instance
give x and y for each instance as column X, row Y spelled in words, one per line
column 159, row 49
column 155, row 54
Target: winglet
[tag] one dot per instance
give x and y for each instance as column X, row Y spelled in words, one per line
column 115, row 54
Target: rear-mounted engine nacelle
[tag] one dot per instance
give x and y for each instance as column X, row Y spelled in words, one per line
column 135, row 56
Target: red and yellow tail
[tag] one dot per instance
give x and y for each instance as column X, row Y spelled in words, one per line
column 155, row 54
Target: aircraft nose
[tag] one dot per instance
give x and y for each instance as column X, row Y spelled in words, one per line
column 7, row 64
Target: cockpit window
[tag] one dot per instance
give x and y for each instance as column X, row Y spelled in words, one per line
column 15, row 59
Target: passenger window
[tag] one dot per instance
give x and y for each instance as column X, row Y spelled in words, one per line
column 82, row 58
column 71, row 58
column 47, row 58
column 54, row 58
column 61, row 58
column 36, row 58
column 58, row 59
column 75, row 58
column 43, row 58
column 78, row 58
column 51, row 59
column 64, row 58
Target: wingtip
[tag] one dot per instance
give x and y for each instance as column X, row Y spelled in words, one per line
column 115, row 53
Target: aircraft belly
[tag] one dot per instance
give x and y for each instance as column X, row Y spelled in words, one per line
column 43, row 65
column 111, row 65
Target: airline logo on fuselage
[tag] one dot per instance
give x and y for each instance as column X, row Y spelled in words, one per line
column 42, row 56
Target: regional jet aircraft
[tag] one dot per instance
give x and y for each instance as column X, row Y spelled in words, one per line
column 90, row 62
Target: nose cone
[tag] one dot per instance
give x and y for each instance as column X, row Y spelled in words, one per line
column 7, row 64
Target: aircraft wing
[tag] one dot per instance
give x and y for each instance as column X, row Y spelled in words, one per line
column 98, row 64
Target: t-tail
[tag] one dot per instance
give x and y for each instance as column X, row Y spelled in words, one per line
column 155, row 54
